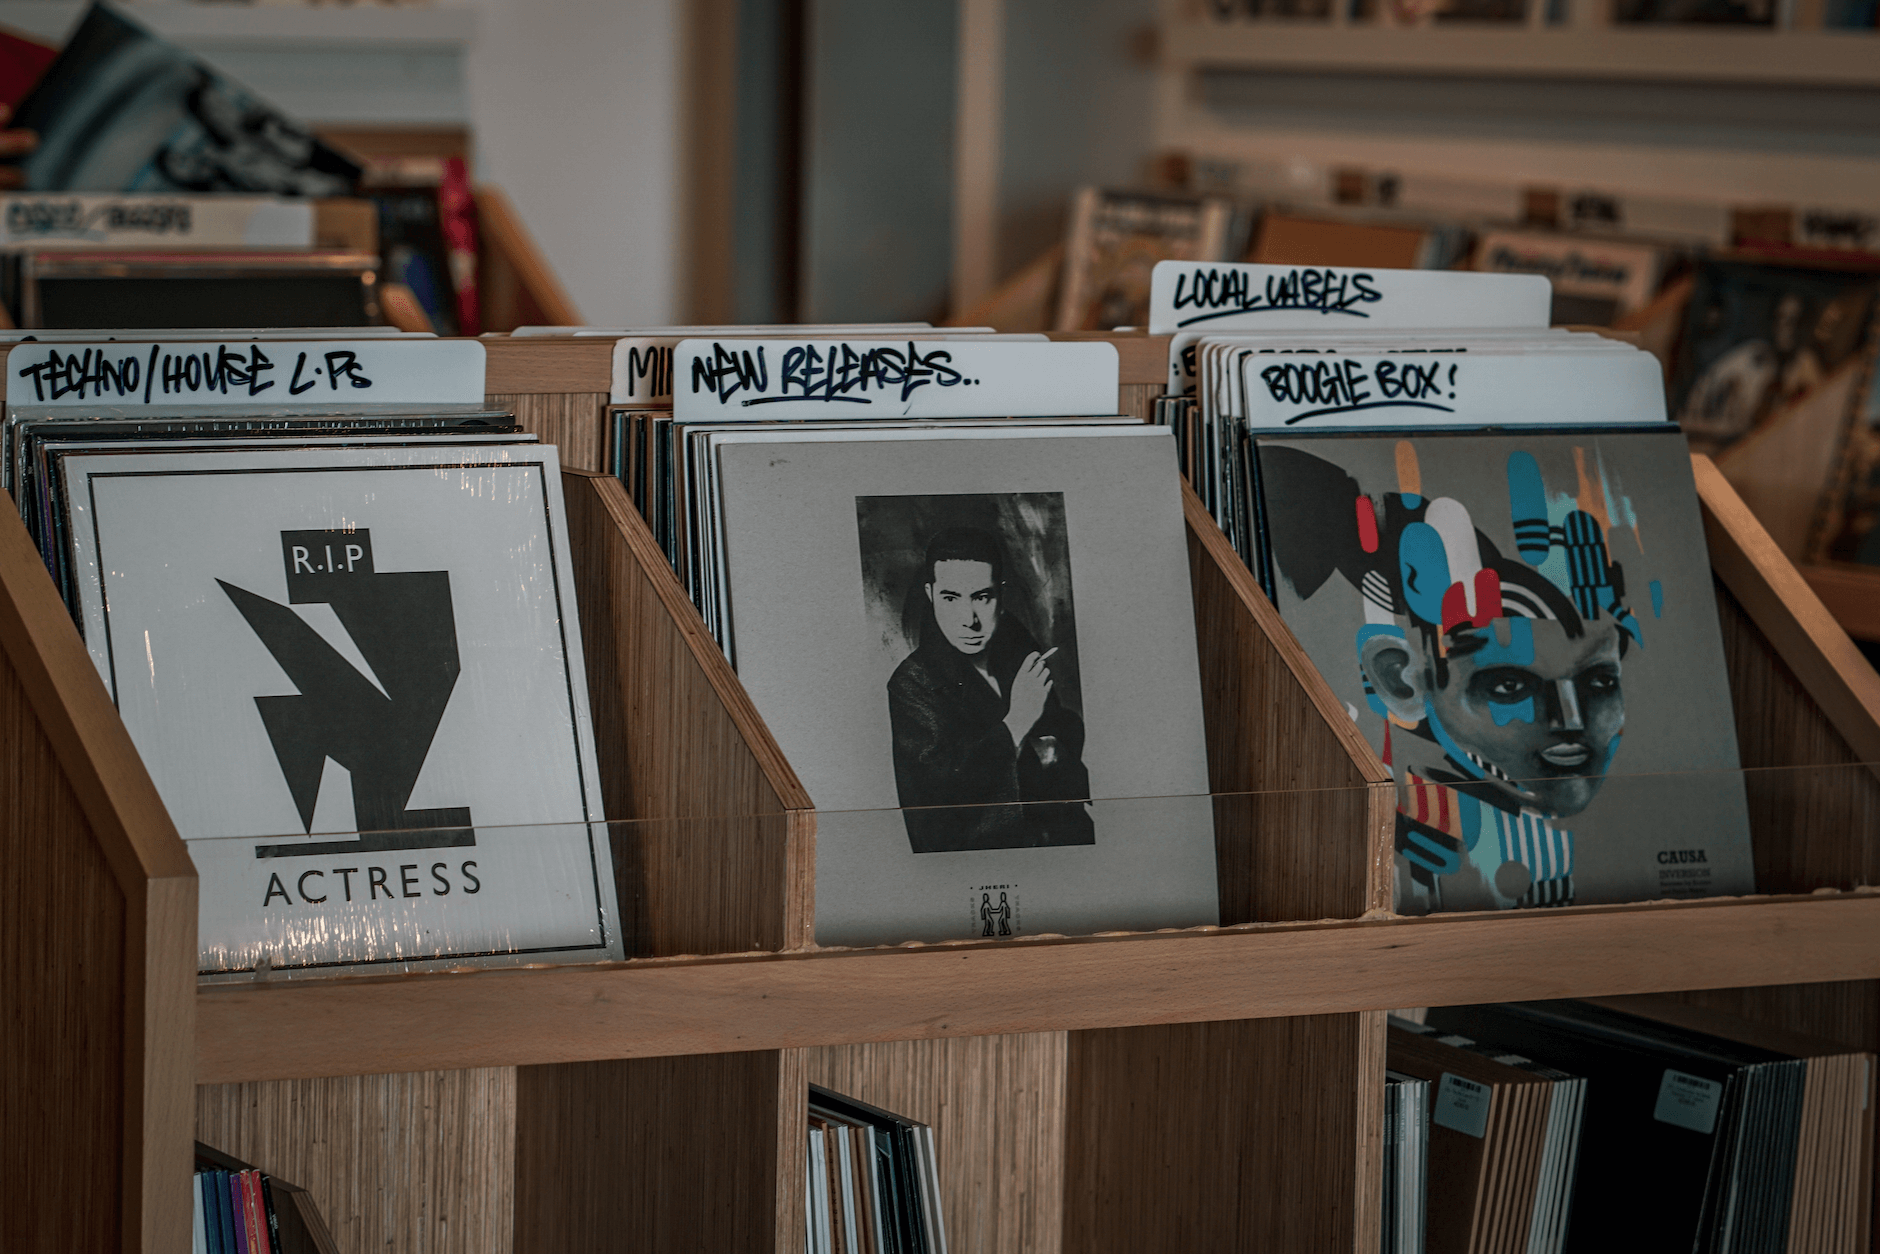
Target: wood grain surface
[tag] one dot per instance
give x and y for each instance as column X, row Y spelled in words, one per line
column 651, row 1154
column 416, row 1163
column 1304, row 828
column 1138, row 400
column 101, row 897
column 549, row 363
column 1851, row 593
column 1217, row 1136
column 764, row 1001
column 996, row 1105
column 1807, row 709
column 680, row 743
column 1814, row 806
column 1798, row 627
column 62, row 981
column 574, row 422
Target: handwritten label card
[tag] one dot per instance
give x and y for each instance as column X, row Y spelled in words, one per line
column 789, row 380
column 64, row 220
column 643, row 363
column 250, row 373
column 1308, row 392
column 1227, row 296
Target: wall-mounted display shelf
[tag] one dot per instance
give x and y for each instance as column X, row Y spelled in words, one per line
column 1679, row 54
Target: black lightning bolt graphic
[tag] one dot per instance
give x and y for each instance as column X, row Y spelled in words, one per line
column 404, row 627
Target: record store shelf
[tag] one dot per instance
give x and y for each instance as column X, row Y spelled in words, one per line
column 1690, row 53
column 658, row 1006
column 1101, row 1092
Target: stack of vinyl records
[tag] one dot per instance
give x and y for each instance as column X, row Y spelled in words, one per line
column 1406, row 1162
column 935, row 565
column 652, row 454
column 873, row 1184
column 1503, row 1137
column 332, row 598
column 1487, row 540
column 1754, row 1139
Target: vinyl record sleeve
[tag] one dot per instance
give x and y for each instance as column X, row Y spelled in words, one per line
column 1577, row 741
column 826, row 536
column 276, row 625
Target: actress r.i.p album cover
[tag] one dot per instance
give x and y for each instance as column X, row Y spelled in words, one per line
column 356, row 678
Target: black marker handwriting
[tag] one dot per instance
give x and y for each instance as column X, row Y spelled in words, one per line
column 53, row 217
column 727, row 373
column 836, row 374
column 92, row 374
column 1223, row 293
column 833, row 375
column 1344, row 386
column 654, row 365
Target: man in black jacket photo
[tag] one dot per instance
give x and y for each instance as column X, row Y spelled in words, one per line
column 985, row 755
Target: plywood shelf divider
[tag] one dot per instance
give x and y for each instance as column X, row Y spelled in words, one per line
column 724, row 857
column 1804, row 696
column 1852, row 594
column 97, row 947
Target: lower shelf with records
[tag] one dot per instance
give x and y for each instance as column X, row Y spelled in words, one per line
column 1521, row 1123
column 1484, row 1127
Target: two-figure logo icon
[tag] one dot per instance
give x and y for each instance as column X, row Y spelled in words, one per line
column 991, row 916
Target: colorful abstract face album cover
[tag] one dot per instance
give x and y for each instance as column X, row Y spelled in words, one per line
column 1525, row 628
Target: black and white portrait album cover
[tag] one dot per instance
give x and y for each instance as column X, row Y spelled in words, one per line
column 355, row 675
column 1526, row 630
column 977, row 649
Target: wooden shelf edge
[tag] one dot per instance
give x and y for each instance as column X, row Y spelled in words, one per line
column 659, row 1007
column 611, row 495
column 150, row 865
column 1819, row 58
column 1365, row 763
column 1789, row 613
column 1852, row 595
column 94, row 749
column 547, row 364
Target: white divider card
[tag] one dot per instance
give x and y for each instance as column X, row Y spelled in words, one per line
column 130, row 374
column 1462, row 1105
column 1453, row 390
column 1186, row 348
column 642, row 370
column 63, row 220
column 787, row 380
column 1229, row 296
column 1688, row 1101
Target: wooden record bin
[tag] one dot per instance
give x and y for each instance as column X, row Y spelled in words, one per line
column 1216, row 1088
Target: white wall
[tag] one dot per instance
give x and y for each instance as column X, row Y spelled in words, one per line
column 574, row 106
